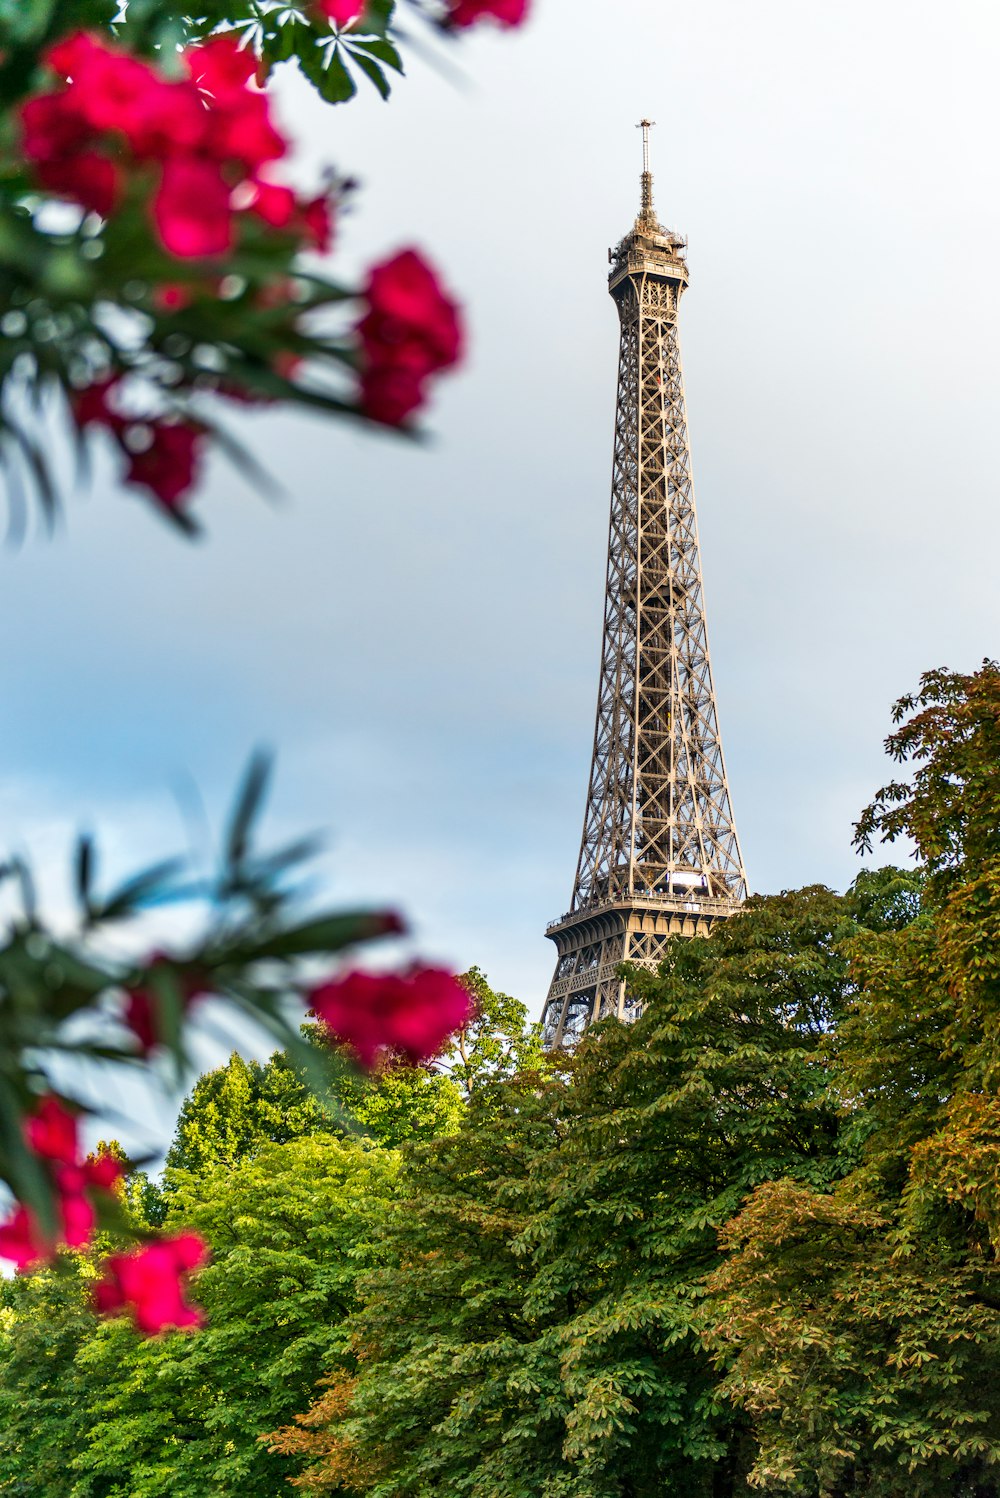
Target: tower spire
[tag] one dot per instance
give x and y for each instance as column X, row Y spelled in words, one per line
column 659, row 856
column 647, row 177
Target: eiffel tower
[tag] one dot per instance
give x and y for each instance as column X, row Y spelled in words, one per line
column 659, row 856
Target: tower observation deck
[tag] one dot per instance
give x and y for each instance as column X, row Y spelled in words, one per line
column 659, row 856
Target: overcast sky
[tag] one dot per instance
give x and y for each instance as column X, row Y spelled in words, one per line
column 416, row 630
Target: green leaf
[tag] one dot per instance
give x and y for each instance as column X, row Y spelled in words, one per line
column 84, row 870
column 247, row 808
column 379, row 47
column 151, row 886
column 330, row 934
column 374, row 72
column 325, row 68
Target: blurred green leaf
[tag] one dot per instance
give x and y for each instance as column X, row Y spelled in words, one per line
column 247, row 807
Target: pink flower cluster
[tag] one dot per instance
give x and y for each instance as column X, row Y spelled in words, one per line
column 408, row 1014
column 342, row 13
column 162, row 455
column 202, row 141
column 52, row 1134
column 149, row 1283
column 469, row 12
column 459, row 13
column 411, row 330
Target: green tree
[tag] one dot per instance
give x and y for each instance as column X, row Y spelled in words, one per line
column 232, row 1111
column 44, row 1394
column 235, row 1110
column 497, row 1042
column 295, row 1206
column 860, row 1328
column 91, row 1410
column 538, row 1325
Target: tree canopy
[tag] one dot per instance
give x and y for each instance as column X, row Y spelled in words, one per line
column 747, row 1243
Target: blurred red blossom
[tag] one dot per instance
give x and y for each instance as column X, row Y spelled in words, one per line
column 341, row 12
column 141, row 1013
column 168, row 466
column 411, row 1014
column 311, row 220
column 163, row 454
column 191, row 211
column 207, row 136
column 467, row 12
column 411, row 329
column 170, row 296
column 52, row 1134
column 149, row 1283
column 21, row 1240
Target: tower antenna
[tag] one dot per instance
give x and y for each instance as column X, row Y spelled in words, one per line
column 647, row 177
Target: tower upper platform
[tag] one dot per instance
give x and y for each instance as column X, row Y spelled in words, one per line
column 648, row 248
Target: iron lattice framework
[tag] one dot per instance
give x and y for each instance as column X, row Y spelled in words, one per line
column 659, row 855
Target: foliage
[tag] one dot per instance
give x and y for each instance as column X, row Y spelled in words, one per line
column 235, row 1110
column 332, row 60
column 865, row 1354
column 538, row 1326
column 148, row 278
column 98, row 1411
column 496, row 1042
column 294, row 1209
column 860, row 1328
column 64, row 998
column 444, row 1317
column 44, row 1321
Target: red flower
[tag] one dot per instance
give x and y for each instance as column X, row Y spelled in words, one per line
column 275, row 204
column 410, row 313
column 52, row 1132
column 103, row 1171
column 311, row 220
column 468, row 12
column 56, row 137
column 166, row 121
column 238, row 123
column 241, row 132
column 91, row 405
column 191, row 209
column 168, row 467
column 220, row 67
column 111, row 91
column 317, row 223
column 390, row 393
column 87, row 177
column 76, row 1184
column 50, row 127
column 75, row 1208
column 410, row 330
column 21, row 1242
column 341, row 12
column 409, row 1013
column 149, row 1283
column 142, row 1006
column 207, row 133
